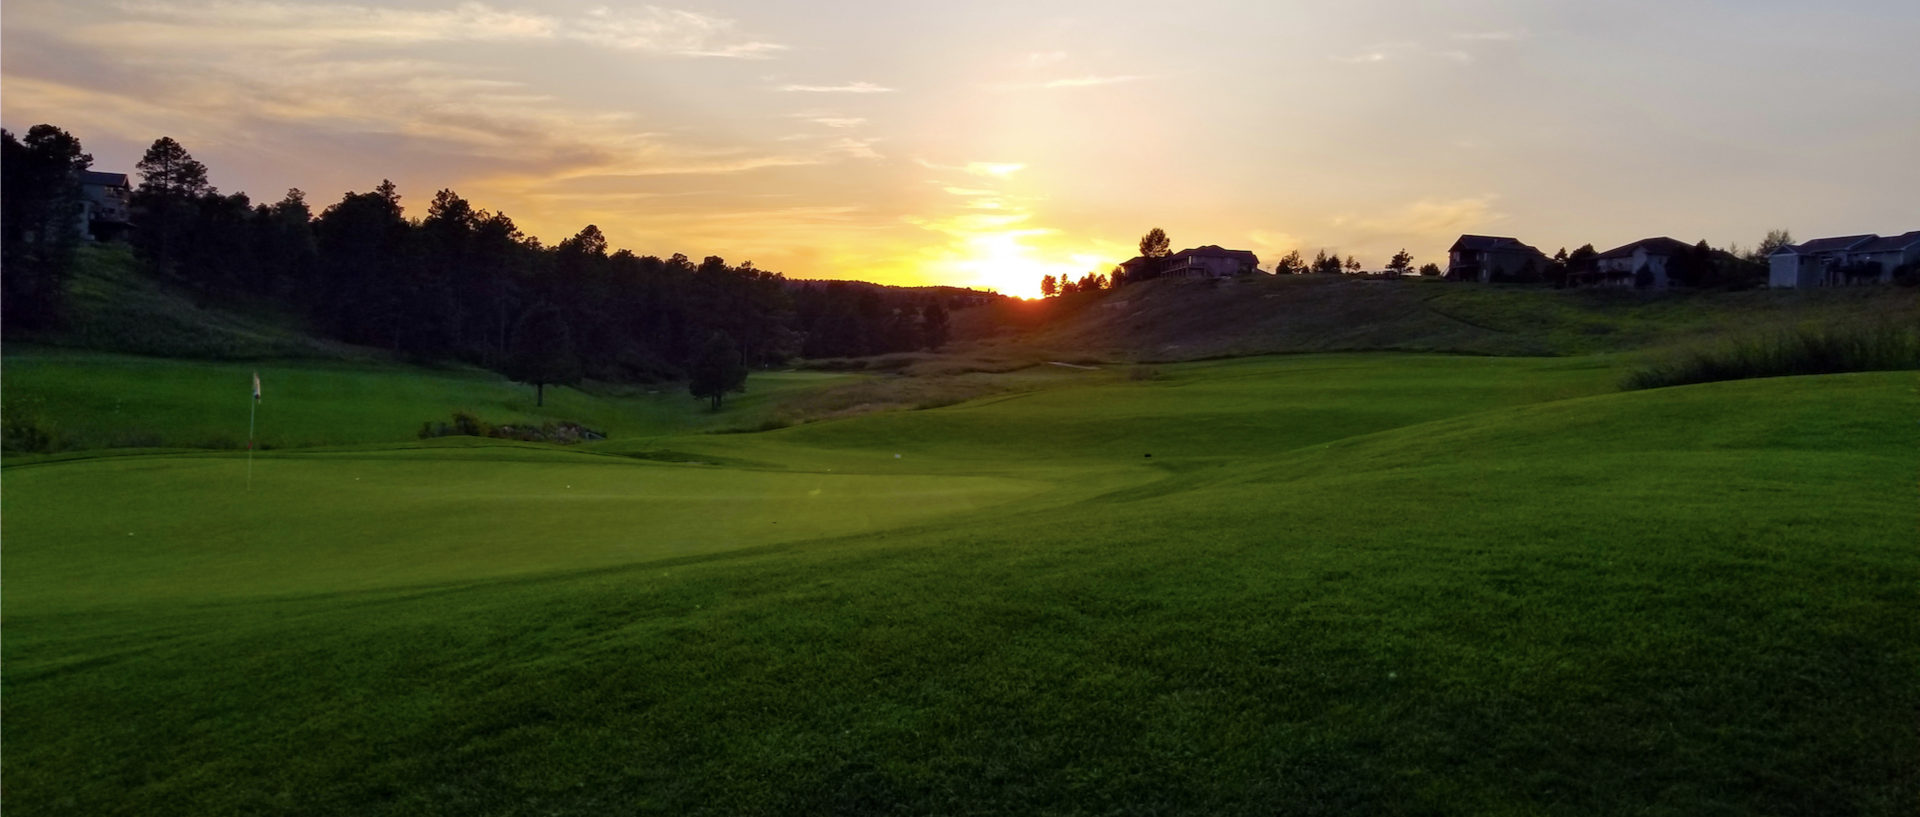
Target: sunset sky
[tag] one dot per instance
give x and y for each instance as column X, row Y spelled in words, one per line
column 986, row 143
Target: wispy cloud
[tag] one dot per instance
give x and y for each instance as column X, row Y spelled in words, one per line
column 197, row 24
column 993, row 170
column 1091, row 81
column 1397, row 51
column 998, row 170
column 842, row 122
column 1492, row 36
column 848, row 88
column 1042, row 59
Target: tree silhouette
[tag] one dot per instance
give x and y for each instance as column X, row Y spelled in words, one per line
column 40, row 207
column 1290, row 264
column 1775, row 240
column 1155, row 245
column 543, row 352
column 1401, row 261
column 934, row 325
column 717, row 370
column 170, row 181
column 1049, row 286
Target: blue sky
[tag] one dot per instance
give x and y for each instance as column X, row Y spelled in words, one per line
column 986, row 143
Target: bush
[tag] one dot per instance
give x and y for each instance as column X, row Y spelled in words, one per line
column 465, row 424
column 1827, row 350
column 22, row 433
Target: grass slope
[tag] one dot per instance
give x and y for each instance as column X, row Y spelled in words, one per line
column 1343, row 584
column 1179, row 319
column 113, row 306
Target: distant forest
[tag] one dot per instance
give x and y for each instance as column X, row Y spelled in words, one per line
column 459, row 283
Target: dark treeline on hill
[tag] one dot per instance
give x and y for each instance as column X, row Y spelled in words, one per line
column 456, row 282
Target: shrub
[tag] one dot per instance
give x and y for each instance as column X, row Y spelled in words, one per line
column 22, row 433
column 1826, row 350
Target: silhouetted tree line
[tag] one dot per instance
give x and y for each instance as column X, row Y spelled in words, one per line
column 40, row 210
column 457, row 283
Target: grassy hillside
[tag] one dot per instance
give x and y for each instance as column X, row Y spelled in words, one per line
column 1178, row 319
column 1396, row 584
column 113, row 306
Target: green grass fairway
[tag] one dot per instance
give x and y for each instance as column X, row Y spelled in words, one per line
column 1340, row 584
column 93, row 400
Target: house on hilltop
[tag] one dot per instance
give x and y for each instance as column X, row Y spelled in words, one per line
column 1620, row 266
column 1210, row 261
column 106, row 205
column 1840, row 260
column 1486, row 258
column 1891, row 253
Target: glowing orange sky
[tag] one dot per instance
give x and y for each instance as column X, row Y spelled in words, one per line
column 989, row 143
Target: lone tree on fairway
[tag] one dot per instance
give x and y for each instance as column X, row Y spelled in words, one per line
column 718, row 370
column 543, row 352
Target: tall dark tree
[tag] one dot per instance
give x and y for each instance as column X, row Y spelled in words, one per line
column 1155, row 244
column 543, row 352
column 1290, row 264
column 717, row 370
column 286, row 249
column 934, row 329
column 171, row 183
column 1582, row 263
column 40, row 218
column 363, row 255
column 1401, row 261
column 1049, row 286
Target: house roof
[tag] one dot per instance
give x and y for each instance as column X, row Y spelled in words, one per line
column 103, row 179
column 1893, row 243
column 1835, row 244
column 1661, row 245
column 1216, row 251
column 1485, row 243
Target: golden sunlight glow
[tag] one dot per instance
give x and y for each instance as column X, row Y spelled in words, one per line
column 1005, row 262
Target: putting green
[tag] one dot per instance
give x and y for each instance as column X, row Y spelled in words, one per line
column 134, row 530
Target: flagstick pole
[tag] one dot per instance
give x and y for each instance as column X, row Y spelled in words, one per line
column 252, row 409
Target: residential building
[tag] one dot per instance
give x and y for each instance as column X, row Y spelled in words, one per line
column 1486, row 258
column 1816, row 263
column 1889, row 254
column 1210, row 261
column 1621, row 266
column 106, row 205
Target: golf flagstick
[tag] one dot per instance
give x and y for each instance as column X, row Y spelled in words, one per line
column 251, row 412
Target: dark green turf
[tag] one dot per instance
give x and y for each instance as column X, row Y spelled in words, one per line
column 1341, row 585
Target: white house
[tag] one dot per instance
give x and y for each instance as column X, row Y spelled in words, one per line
column 1825, row 261
column 1889, row 253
